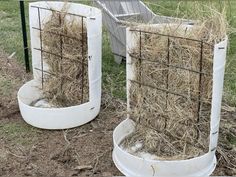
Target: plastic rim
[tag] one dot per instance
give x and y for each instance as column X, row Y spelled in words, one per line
column 131, row 165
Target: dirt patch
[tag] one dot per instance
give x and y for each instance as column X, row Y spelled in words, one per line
column 12, row 76
column 27, row 151
column 82, row 151
column 226, row 151
column 58, row 153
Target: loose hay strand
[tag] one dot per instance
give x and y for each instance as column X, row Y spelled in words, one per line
column 169, row 125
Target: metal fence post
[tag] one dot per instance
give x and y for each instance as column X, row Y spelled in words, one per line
column 24, row 32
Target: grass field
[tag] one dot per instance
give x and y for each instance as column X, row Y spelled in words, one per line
column 114, row 74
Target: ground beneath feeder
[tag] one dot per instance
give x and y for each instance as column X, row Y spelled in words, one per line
column 82, row 151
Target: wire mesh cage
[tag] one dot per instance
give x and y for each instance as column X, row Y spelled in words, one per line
column 56, row 45
column 66, row 65
column 178, row 89
column 171, row 83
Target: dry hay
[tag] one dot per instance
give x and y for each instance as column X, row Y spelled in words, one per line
column 168, row 125
column 67, row 83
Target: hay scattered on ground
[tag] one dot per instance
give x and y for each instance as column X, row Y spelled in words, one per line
column 169, row 125
column 67, row 83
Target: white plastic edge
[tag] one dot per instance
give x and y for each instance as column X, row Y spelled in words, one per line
column 131, row 165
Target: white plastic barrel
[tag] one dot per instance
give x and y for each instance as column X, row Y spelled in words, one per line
column 201, row 166
column 68, row 117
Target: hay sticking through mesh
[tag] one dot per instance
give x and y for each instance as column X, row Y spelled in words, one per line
column 67, row 83
column 173, row 126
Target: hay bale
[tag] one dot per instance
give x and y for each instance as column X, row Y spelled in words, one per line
column 174, row 126
column 67, row 84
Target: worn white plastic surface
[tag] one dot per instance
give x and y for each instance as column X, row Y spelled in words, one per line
column 131, row 165
column 62, row 118
column 201, row 166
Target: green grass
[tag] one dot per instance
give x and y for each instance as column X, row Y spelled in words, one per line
column 10, row 28
column 231, row 138
column 114, row 74
column 19, row 132
column 5, row 86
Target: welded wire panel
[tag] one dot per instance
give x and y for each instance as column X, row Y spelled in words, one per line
column 171, row 91
column 64, row 60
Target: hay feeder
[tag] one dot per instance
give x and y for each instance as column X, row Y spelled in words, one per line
column 203, row 165
column 86, row 99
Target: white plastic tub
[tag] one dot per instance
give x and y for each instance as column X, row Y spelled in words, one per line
column 131, row 165
column 62, row 118
column 201, row 166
